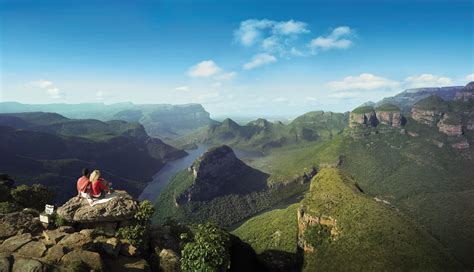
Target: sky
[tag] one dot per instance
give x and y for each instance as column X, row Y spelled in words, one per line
column 237, row 58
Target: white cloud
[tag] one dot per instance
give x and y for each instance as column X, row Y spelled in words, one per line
column 290, row 27
column 311, row 99
column 259, row 60
column 427, row 80
column 55, row 93
column 362, row 82
column 183, row 88
column 338, row 39
column 205, row 68
column 250, row 31
column 272, row 37
column 470, row 77
column 43, row 84
column 280, row 100
column 226, row 76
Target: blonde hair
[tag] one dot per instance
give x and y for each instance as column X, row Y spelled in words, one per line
column 95, row 175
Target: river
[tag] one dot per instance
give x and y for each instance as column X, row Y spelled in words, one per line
column 163, row 177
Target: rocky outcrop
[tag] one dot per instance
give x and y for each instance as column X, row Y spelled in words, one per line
column 429, row 111
column 450, row 125
column 120, row 208
column 367, row 116
column 306, row 220
column 219, row 172
column 19, row 222
column 466, row 94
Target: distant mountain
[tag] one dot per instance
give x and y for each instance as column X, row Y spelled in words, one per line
column 159, row 120
column 406, row 99
column 51, row 149
column 262, row 134
column 338, row 227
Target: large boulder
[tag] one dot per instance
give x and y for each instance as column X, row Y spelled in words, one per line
column 91, row 259
column 13, row 243
column 24, row 221
column 121, row 207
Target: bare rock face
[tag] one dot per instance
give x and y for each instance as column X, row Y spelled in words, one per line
column 467, row 94
column 367, row 116
column 460, row 144
column 427, row 117
column 429, row 111
column 122, row 207
column 450, row 125
column 24, row 221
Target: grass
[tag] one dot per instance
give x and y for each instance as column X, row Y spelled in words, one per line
column 363, row 109
column 388, row 107
column 373, row 236
column 273, row 230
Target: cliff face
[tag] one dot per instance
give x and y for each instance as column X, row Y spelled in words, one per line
column 368, row 117
column 219, row 172
column 452, row 118
column 466, row 94
column 450, row 125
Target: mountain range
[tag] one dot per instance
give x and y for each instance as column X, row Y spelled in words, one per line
column 159, row 120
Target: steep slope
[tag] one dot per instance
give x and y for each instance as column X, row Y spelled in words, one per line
column 51, row 149
column 338, row 227
column 264, row 135
column 159, row 120
column 217, row 183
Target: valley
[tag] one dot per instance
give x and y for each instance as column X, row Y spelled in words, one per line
column 305, row 193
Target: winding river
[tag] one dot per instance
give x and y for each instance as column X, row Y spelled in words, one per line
column 163, row 177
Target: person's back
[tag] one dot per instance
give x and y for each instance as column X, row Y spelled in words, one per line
column 83, row 183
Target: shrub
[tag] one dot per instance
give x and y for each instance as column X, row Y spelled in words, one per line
column 35, row 196
column 317, row 235
column 8, row 207
column 138, row 232
column 208, row 251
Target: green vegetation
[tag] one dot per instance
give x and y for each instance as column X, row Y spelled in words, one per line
column 363, row 109
column 372, row 236
column 317, row 236
column 35, row 197
column 217, row 209
column 138, row 233
column 387, row 107
column 206, row 250
column 263, row 135
column 433, row 102
column 273, row 230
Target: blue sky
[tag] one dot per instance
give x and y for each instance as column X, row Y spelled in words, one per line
column 271, row 58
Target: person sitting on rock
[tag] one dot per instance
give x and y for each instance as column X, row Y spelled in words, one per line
column 83, row 184
column 99, row 185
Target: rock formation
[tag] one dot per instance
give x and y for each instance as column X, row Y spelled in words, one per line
column 219, row 172
column 466, row 94
column 120, row 208
column 306, row 220
column 450, row 125
column 367, row 116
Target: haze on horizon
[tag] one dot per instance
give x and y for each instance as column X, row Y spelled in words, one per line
column 236, row 58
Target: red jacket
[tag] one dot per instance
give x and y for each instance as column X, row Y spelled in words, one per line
column 82, row 184
column 98, row 186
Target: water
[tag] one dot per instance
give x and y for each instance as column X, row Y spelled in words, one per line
column 163, row 177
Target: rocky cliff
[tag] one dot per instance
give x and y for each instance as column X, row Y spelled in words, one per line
column 219, row 172
column 466, row 94
column 368, row 116
column 452, row 118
